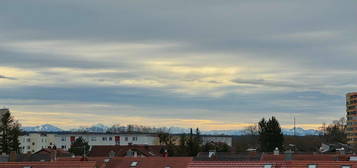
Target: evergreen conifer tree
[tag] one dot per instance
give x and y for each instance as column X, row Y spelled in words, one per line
column 10, row 132
column 270, row 135
column 79, row 147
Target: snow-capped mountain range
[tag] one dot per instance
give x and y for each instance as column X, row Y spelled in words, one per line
column 42, row 128
column 93, row 128
column 174, row 130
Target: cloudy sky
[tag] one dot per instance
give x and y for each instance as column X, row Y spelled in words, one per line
column 203, row 63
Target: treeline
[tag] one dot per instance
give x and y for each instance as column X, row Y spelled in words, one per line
column 189, row 144
column 10, row 130
column 266, row 136
column 136, row 128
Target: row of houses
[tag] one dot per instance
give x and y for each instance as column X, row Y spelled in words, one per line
column 35, row 141
column 203, row 160
column 177, row 162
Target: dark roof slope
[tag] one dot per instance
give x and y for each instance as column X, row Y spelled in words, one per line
column 145, row 150
column 274, row 164
column 99, row 160
column 227, row 156
column 58, row 164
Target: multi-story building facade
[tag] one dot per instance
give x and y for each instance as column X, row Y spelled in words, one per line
column 34, row 141
column 351, row 108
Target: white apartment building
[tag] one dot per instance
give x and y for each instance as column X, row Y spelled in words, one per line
column 33, row 142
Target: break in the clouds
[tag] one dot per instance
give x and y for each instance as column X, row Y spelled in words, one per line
column 209, row 64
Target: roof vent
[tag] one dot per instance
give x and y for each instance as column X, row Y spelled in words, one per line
column 312, row 166
column 346, row 166
column 276, row 151
column 268, row 166
column 133, row 164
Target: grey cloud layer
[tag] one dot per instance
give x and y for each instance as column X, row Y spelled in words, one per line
column 295, row 56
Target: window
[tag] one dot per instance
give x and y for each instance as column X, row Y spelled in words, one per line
column 312, row 166
column 28, row 147
column 104, row 138
column 268, row 166
column 126, row 138
column 133, row 164
column 63, row 146
column 135, row 138
column 33, row 143
column 63, row 139
column 93, row 139
column 110, row 138
column 28, row 140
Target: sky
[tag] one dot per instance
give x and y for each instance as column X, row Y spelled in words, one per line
column 210, row 64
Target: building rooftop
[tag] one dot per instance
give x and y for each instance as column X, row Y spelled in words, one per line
column 272, row 164
column 150, row 162
column 57, row 164
column 145, row 150
column 227, row 156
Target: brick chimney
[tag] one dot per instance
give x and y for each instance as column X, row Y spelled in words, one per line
column 166, row 154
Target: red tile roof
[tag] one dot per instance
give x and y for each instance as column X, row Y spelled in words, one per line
column 150, row 162
column 275, row 164
column 103, row 151
column 59, row 152
column 281, row 157
column 221, row 164
column 99, row 160
column 57, row 164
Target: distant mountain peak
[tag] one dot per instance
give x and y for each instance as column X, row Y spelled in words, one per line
column 42, row 128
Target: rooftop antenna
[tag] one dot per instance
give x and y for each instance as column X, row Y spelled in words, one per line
column 294, row 126
column 294, row 122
